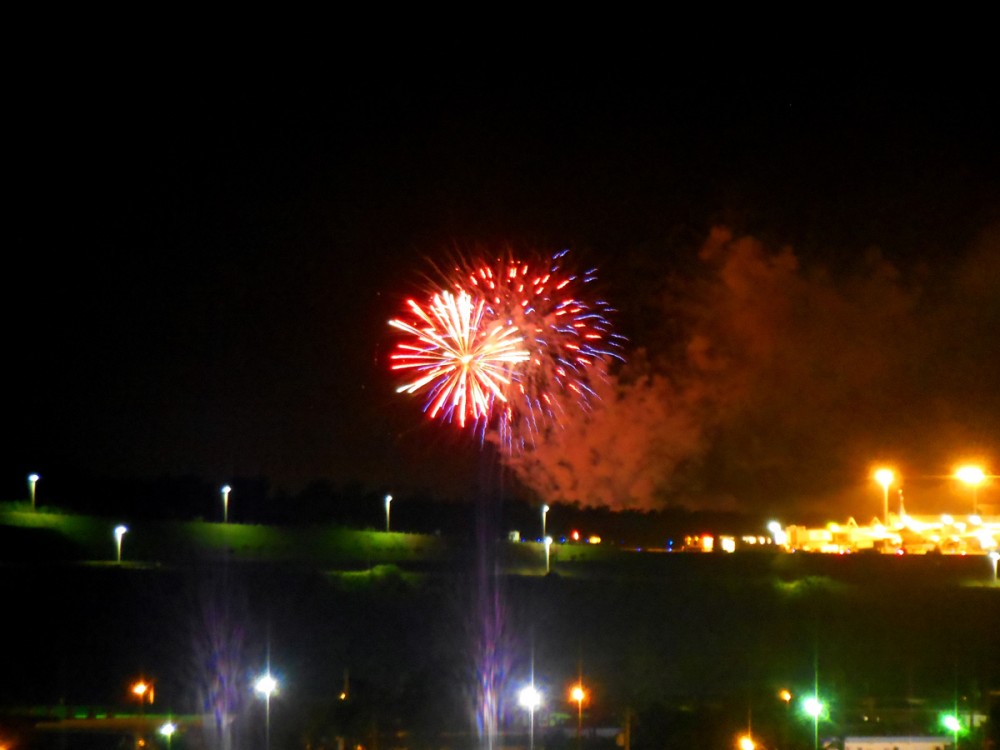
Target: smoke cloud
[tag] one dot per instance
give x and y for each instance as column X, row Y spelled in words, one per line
column 774, row 383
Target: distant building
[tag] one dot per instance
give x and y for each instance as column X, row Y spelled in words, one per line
column 897, row 743
column 905, row 534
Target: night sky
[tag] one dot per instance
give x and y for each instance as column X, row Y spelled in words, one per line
column 201, row 266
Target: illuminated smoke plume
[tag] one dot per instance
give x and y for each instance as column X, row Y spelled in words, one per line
column 621, row 454
column 791, row 379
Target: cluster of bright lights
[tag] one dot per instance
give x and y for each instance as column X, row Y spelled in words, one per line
column 514, row 340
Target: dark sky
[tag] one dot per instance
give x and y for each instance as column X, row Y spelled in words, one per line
column 201, row 265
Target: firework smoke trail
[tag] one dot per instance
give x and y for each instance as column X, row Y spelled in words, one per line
column 459, row 354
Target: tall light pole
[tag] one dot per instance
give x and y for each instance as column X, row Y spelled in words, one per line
column 577, row 694
column 388, row 502
column 972, row 476
column 548, row 547
column 885, row 477
column 119, row 533
column 530, row 699
column 167, row 729
column 144, row 692
column 952, row 724
column 141, row 690
column 226, row 489
column 266, row 685
column 785, row 695
column 545, row 509
column 994, row 557
column 32, row 480
column 814, row 708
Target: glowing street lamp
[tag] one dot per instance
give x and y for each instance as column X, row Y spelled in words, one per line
column 119, row 533
column 548, row 547
column 785, row 696
column 141, row 690
column 545, row 510
column 972, row 476
column 746, row 743
column 812, row 706
column 226, row 489
column 530, row 699
column 266, row 685
column 388, row 502
column 885, row 477
column 167, row 729
column 578, row 694
column 32, row 480
column 953, row 725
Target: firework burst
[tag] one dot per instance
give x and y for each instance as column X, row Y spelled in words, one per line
column 514, row 342
column 568, row 336
column 460, row 355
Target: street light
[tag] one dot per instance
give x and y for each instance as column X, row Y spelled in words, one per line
column 578, row 694
column 226, row 489
column 32, row 479
column 994, row 556
column 972, row 476
column 548, row 546
column 785, row 695
column 885, row 477
column 531, row 699
column 119, row 533
column 388, row 502
column 953, row 725
column 167, row 729
column 141, row 689
column 814, row 708
column 545, row 509
column 746, row 743
column 266, row 685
